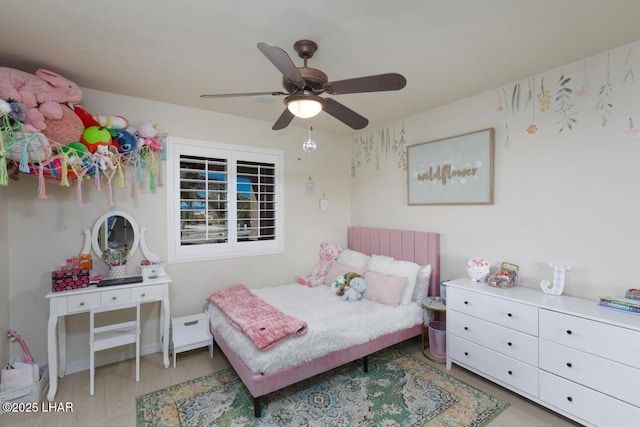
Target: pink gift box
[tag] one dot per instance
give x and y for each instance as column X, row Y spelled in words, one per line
column 65, row 280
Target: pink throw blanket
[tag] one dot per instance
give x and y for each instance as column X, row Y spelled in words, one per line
column 264, row 324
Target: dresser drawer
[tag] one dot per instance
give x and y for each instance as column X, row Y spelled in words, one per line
column 596, row 408
column 114, row 296
column 611, row 342
column 510, row 371
column 147, row 293
column 507, row 341
column 612, row 378
column 504, row 312
column 80, row 303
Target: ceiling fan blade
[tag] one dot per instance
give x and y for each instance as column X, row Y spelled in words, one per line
column 377, row 83
column 236, row 95
column 283, row 62
column 344, row 114
column 284, row 120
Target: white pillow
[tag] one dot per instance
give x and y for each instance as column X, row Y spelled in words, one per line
column 422, row 284
column 353, row 258
column 392, row 267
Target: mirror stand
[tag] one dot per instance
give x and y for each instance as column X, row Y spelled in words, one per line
column 151, row 256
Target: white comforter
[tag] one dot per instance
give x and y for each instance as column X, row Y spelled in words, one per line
column 333, row 325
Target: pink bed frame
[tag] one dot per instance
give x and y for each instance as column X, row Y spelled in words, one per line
column 418, row 246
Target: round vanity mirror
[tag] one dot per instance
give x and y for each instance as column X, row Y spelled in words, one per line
column 117, row 231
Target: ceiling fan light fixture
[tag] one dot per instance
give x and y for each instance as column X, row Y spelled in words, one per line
column 304, row 105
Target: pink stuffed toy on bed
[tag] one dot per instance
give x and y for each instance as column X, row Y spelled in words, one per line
column 328, row 255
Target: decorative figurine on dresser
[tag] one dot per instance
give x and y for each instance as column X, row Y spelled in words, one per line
column 478, row 269
column 114, row 235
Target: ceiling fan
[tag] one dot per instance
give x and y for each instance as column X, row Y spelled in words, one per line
column 304, row 85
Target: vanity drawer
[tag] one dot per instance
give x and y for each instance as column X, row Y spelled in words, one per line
column 147, row 293
column 511, row 314
column 609, row 377
column 115, row 295
column 507, row 341
column 510, row 371
column 80, row 303
column 591, row 406
column 611, row 342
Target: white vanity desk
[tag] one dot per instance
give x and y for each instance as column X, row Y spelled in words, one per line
column 75, row 301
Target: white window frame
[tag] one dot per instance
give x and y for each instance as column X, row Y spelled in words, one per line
column 178, row 253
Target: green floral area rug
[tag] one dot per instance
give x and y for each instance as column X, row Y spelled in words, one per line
column 398, row 390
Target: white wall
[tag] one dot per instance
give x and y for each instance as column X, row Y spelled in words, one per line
column 41, row 233
column 566, row 196
column 4, row 278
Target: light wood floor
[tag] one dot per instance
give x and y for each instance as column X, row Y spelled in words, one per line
column 115, row 391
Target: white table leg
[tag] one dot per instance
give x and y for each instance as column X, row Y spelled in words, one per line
column 165, row 318
column 62, row 346
column 52, row 356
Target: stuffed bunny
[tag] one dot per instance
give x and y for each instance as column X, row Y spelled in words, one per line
column 41, row 93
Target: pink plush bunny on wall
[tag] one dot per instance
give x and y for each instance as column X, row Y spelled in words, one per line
column 328, row 255
column 41, row 93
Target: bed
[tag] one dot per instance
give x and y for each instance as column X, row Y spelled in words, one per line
column 330, row 341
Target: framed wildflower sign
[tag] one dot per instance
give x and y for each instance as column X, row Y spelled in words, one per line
column 452, row 171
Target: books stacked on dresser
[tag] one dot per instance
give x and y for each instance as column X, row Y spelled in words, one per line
column 628, row 303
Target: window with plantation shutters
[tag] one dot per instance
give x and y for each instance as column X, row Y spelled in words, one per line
column 223, row 201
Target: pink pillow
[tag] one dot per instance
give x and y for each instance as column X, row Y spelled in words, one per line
column 384, row 289
column 336, row 270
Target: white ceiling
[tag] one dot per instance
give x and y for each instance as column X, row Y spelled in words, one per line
column 173, row 51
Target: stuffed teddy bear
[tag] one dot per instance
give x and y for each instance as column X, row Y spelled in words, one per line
column 339, row 285
column 328, row 255
column 354, row 291
column 103, row 157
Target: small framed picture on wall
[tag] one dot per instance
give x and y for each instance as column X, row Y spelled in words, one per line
column 452, row 171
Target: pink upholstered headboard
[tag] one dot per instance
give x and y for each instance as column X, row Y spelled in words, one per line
column 420, row 247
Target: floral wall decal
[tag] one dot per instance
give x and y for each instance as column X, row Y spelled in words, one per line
column 566, row 106
column 629, row 83
column 366, row 150
column 400, row 148
column 544, row 97
column 604, row 104
column 533, row 127
column 571, row 100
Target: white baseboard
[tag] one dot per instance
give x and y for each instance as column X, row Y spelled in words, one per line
column 83, row 365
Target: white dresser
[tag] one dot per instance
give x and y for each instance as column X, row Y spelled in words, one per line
column 62, row 304
column 565, row 353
